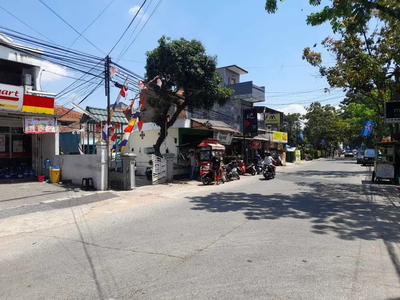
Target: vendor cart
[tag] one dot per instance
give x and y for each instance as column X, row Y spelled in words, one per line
column 207, row 149
column 387, row 162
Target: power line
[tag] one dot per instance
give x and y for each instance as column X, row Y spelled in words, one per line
column 155, row 9
column 133, row 19
column 41, row 1
column 127, row 41
column 92, row 22
column 26, row 24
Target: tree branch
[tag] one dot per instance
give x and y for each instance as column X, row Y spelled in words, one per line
column 390, row 12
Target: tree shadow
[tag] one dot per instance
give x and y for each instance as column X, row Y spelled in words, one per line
column 346, row 210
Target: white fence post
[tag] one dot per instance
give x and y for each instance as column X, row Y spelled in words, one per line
column 170, row 166
column 103, row 164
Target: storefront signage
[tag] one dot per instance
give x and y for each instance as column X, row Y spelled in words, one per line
column 392, row 112
column 36, row 125
column 250, row 122
column 279, row 137
column 223, row 138
column 11, row 97
column 255, row 144
column 38, row 104
column 273, row 119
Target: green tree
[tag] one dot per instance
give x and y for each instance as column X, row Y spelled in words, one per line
column 360, row 11
column 323, row 122
column 183, row 67
column 292, row 125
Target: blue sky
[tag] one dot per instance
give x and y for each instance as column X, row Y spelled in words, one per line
column 239, row 32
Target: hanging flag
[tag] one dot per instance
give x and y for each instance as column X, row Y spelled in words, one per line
column 368, row 126
column 122, row 93
column 301, row 135
column 140, row 125
column 142, row 101
column 159, row 82
column 112, row 71
column 104, row 133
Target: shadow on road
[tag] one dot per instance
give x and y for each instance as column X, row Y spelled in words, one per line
column 329, row 174
column 341, row 209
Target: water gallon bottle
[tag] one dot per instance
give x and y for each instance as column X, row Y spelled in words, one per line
column 47, row 165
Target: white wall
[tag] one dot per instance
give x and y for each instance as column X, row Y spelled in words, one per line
column 76, row 167
column 138, row 145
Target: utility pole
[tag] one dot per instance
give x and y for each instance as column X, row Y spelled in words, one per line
column 107, row 93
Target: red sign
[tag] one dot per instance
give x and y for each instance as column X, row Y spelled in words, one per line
column 255, row 145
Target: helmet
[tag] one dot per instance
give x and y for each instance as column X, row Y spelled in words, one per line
column 258, row 156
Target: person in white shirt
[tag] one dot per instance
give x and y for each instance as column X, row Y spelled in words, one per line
column 269, row 161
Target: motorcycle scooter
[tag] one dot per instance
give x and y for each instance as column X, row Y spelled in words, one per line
column 269, row 172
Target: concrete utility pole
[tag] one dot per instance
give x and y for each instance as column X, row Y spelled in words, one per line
column 107, row 93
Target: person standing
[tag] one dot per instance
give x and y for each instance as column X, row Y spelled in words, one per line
column 216, row 165
column 193, row 163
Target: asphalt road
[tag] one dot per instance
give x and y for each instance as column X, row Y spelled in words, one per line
column 317, row 231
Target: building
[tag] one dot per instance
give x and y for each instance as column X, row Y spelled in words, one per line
column 28, row 125
column 245, row 95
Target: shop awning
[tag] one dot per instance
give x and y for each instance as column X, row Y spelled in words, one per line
column 213, row 125
column 262, row 137
column 213, row 144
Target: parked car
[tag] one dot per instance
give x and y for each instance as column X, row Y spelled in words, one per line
column 348, row 153
column 369, row 157
column 360, row 156
column 355, row 151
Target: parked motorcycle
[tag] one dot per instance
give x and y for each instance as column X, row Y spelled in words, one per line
column 241, row 168
column 208, row 177
column 251, row 169
column 269, row 172
column 232, row 171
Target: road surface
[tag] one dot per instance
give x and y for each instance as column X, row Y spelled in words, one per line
column 318, row 231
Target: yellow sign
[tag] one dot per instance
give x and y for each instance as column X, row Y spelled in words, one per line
column 273, row 119
column 279, row 137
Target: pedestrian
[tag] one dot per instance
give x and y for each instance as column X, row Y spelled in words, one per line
column 216, row 165
column 193, row 163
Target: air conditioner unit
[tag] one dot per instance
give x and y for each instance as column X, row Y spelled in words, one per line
column 28, row 79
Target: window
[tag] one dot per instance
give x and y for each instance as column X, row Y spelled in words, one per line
column 233, row 80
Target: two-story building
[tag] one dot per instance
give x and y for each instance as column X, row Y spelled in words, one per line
column 28, row 126
column 245, row 95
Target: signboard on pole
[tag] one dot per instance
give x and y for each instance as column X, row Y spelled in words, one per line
column 36, row 125
column 392, row 112
column 255, row 144
column 224, row 138
column 273, row 119
column 250, row 122
column 279, row 137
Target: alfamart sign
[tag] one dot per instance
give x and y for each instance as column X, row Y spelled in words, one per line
column 11, row 97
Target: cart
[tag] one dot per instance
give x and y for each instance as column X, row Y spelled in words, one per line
column 387, row 161
column 207, row 149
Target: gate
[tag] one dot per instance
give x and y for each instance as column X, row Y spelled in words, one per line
column 159, row 169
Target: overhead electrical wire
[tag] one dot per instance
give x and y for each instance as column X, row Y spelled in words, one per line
column 127, row 28
column 155, row 9
column 92, row 23
column 61, row 18
column 27, row 25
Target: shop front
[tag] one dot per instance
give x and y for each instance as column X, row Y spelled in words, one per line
column 277, row 146
column 27, row 133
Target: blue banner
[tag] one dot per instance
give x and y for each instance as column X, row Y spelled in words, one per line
column 367, row 128
column 323, row 142
column 301, row 135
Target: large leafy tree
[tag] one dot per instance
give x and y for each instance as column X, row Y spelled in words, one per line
column 323, row 122
column 189, row 81
column 292, row 125
column 367, row 60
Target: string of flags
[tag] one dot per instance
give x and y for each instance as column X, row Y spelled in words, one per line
column 135, row 114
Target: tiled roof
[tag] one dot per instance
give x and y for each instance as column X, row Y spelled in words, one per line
column 216, row 125
column 67, row 114
column 101, row 115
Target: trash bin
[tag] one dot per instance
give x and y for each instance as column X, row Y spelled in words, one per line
column 55, row 174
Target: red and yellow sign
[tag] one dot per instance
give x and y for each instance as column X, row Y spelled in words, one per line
column 38, row 104
column 11, row 97
column 279, row 137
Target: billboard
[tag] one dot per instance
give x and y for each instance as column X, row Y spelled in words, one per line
column 250, row 122
column 273, row 119
column 34, row 125
column 279, row 137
